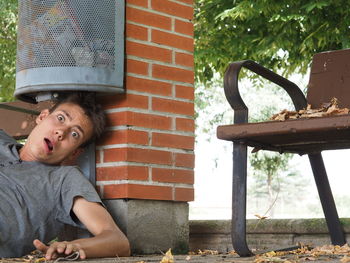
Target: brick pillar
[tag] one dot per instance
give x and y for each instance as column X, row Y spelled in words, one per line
column 145, row 161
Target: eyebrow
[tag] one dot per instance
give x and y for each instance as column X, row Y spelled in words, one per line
column 70, row 118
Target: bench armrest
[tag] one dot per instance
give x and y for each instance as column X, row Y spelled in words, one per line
column 234, row 98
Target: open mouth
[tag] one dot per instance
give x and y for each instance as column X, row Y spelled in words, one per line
column 49, row 144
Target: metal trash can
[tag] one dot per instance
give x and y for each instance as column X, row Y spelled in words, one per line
column 69, row 45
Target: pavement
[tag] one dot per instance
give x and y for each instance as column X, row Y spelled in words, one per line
column 323, row 254
column 219, row 258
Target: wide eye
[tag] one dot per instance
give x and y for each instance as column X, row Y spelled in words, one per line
column 60, row 118
column 75, row 135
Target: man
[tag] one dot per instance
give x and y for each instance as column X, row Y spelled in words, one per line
column 39, row 194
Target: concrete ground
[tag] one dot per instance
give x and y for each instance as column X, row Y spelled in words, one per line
column 329, row 254
column 219, row 258
column 326, row 253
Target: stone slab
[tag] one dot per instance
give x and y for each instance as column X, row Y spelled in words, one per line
column 152, row 226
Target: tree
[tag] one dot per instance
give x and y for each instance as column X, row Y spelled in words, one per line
column 266, row 168
column 279, row 34
column 8, row 28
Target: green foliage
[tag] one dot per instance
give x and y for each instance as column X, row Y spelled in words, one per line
column 279, row 34
column 8, row 29
column 269, row 163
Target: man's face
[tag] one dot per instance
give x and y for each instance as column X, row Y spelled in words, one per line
column 57, row 135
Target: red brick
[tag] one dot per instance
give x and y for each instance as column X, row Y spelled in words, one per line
column 173, row 141
column 99, row 190
column 118, row 118
column 147, row 18
column 149, row 86
column 115, row 191
column 184, row 194
column 137, row 67
column 137, row 32
column 183, row 124
column 190, row 2
column 173, row 106
column 184, row 92
column 138, row 192
column 137, row 155
column 172, row 8
column 171, row 40
column 122, row 173
column 97, row 156
column 142, row 3
column 115, row 155
column 172, row 175
column 139, row 119
column 184, row 59
column 184, row 27
column 172, row 73
column 150, row 52
column 184, row 160
column 124, row 136
column 124, row 100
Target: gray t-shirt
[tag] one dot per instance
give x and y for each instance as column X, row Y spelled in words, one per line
column 35, row 199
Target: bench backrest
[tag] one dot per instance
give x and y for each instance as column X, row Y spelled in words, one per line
column 330, row 77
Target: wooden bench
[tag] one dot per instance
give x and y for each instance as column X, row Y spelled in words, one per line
column 329, row 77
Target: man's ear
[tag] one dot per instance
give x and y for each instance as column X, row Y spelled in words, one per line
column 43, row 114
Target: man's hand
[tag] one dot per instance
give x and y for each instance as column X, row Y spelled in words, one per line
column 57, row 249
column 107, row 241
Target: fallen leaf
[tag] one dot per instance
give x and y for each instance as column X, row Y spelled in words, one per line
column 208, row 252
column 345, row 259
column 168, row 257
column 327, row 109
column 260, row 217
column 270, row 254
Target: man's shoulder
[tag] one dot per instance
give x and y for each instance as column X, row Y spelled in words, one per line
column 4, row 137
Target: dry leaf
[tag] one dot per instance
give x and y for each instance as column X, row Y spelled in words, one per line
column 327, row 109
column 270, row 254
column 260, row 217
column 207, row 252
column 345, row 259
column 168, row 257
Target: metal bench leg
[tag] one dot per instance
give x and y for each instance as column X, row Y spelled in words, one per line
column 239, row 191
column 327, row 201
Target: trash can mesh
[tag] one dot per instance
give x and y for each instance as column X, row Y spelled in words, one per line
column 66, row 33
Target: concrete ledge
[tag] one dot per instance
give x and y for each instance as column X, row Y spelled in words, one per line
column 262, row 234
column 152, row 226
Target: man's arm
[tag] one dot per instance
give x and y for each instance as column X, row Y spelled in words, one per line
column 108, row 240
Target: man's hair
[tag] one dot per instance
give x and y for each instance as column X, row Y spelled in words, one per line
column 86, row 101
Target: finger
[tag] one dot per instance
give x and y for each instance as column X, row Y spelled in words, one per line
column 54, row 256
column 40, row 245
column 61, row 247
column 52, row 252
column 69, row 249
column 82, row 254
